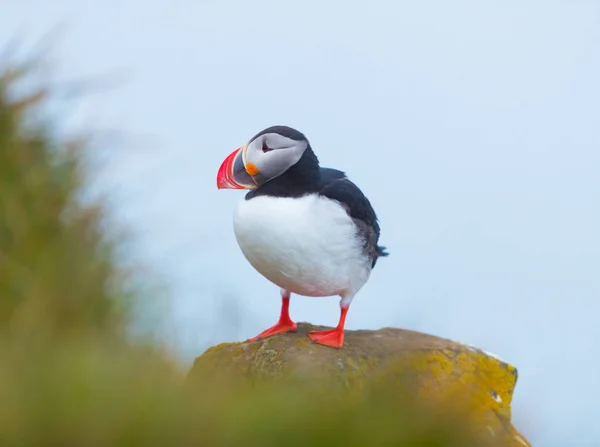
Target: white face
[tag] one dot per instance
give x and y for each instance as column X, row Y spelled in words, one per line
column 273, row 154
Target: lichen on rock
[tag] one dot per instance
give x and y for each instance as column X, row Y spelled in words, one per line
column 440, row 371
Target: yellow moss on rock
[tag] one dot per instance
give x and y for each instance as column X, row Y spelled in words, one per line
column 440, row 371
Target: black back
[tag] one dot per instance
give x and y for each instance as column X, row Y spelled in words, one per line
column 307, row 177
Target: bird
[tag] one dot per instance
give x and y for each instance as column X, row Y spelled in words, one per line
column 307, row 229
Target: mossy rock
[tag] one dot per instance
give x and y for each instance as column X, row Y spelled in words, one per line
column 441, row 371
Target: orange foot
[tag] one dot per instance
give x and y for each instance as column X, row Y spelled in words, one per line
column 333, row 337
column 285, row 324
column 280, row 328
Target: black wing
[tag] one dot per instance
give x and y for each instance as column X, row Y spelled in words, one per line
column 335, row 185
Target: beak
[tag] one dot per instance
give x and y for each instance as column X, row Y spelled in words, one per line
column 232, row 173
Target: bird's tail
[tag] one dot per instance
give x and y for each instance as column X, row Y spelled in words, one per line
column 381, row 251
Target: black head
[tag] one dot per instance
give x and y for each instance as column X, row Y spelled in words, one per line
column 277, row 160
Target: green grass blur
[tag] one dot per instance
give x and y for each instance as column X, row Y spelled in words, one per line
column 70, row 376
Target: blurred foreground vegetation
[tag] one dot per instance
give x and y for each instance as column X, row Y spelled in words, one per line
column 69, row 376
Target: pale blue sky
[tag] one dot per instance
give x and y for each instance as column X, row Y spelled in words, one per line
column 474, row 128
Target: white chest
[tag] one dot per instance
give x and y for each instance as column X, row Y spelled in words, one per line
column 308, row 245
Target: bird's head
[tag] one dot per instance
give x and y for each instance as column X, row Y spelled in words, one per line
column 267, row 155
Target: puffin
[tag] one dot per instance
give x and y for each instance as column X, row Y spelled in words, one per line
column 307, row 229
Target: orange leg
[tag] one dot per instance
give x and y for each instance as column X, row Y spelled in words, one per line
column 332, row 337
column 285, row 324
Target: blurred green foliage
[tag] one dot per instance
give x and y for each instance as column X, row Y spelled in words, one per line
column 69, row 376
column 56, row 270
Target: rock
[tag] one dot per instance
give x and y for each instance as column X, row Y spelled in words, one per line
column 440, row 370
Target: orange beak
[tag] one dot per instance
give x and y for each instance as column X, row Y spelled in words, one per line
column 233, row 172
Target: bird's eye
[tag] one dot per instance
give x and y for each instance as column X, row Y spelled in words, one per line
column 265, row 147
